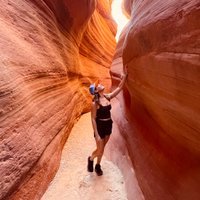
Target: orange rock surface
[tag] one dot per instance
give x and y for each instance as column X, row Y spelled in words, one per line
column 50, row 52
column 161, row 123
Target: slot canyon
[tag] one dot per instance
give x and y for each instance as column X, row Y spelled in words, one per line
column 51, row 51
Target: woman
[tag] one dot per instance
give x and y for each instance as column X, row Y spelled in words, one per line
column 101, row 120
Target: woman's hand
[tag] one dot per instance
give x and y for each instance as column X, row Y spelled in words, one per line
column 123, row 76
column 98, row 138
column 125, row 68
column 125, row 72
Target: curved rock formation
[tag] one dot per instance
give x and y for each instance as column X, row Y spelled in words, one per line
column 49, row 50
column 161, row 127
column 52, row 50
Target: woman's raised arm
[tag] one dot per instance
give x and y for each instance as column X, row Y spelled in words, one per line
column 120, row 86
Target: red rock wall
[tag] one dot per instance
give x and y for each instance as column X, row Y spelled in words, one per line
column 161, row 124
column 49, row 50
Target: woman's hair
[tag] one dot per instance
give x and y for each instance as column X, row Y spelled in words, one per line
column 96, row 97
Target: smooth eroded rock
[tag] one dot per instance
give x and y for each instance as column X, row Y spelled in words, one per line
column 161, row 126
column 44, row 83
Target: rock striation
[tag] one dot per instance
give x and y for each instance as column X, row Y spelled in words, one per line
column 160, row 123
column 50, row 52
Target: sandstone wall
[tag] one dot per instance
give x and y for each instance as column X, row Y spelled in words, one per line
column 161, row 122
column 49, row 50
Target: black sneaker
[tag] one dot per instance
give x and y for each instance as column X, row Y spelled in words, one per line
column 90, row 165
column 98, row 170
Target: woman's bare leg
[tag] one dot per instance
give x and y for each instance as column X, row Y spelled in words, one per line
column 101, row 150
column 96, row 152
column 102, row 147
column 106, row 140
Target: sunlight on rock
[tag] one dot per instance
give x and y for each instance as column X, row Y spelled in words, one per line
column 118, row 16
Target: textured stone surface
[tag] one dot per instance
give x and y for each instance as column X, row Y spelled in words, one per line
column 161, row 126
column 49, row 50
column 52, row 50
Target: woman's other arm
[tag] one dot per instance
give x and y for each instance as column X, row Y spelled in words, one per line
column 93, row 118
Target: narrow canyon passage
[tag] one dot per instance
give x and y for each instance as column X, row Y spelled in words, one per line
column 72, row 180
column 51, row 51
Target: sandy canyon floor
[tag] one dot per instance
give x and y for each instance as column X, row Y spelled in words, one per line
column 73, row 182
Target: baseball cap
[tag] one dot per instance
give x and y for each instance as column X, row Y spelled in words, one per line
column 92, row 89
